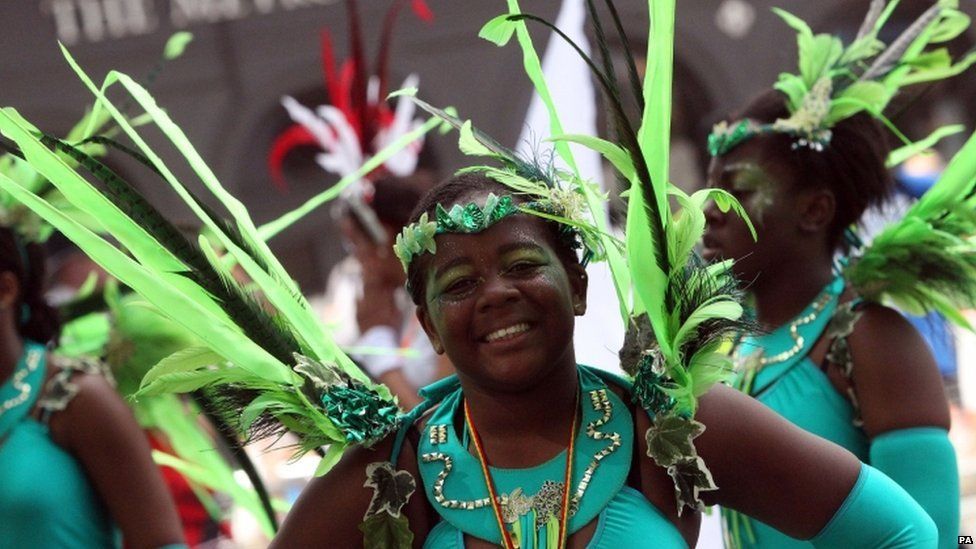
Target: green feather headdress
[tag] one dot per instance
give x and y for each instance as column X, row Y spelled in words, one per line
column 550, row 193
column 835, row 82
column 679, row 309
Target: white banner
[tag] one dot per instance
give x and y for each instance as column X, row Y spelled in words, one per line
column 78, row 21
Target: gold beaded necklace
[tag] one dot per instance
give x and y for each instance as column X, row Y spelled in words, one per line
column 756, row 361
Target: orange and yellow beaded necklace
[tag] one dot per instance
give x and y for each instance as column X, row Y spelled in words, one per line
column 508, row 540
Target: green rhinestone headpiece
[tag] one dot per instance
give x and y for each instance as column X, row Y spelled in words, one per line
column 471, row 218
column 835, row 82
column 418, row 237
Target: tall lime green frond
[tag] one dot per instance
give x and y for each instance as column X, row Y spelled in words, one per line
column 499, row 30
column 679, row 310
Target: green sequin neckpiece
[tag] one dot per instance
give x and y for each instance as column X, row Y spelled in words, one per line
column 18, row 394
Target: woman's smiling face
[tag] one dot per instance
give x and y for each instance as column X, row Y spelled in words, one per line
column 501, row 303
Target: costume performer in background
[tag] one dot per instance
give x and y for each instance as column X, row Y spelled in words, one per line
column 75, row 468
column 498, row 282
column 805, row 160
column 364, row 301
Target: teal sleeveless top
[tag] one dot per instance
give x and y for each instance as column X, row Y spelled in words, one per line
column 454, row 484
column 795, row 387
column 46, row 501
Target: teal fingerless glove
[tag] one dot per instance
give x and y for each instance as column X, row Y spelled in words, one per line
column 878, row 513
column 923, row 462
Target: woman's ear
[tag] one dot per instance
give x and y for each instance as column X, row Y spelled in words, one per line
column 817, row 209
column 424, row 317
column 578, row 282
column 9, row 289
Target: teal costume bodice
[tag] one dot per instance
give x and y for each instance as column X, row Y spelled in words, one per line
column 795, row 387
column 46, row 501
column 455, row 486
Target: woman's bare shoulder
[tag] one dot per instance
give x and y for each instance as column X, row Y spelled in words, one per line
column 895, row 376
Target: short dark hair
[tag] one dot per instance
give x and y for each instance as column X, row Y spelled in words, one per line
column 26, row 260
column 452, row 191
column 852, row 165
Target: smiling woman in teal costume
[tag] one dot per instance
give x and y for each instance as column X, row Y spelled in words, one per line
column 835, row 361
column 58, row 486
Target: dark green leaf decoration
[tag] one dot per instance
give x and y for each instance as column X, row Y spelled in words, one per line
column 650, row 383
column 670, row 439
column 471, row 218
column 691, row 478
column 391, row 489
column 384, row 531
column 359, row 412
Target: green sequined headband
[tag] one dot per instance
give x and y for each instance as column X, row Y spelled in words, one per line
column 417, row 238
column 725, row 137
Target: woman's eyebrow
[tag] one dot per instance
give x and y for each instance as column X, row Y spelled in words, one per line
column 519, row 246
column 457, row 261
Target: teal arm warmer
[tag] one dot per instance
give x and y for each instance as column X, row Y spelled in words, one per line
column 923, row 462
column 878, row 513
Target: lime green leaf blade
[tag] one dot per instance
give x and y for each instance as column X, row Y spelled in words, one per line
column 498, row 30
column 654, row 135
column 611, row 151
column 718, row 308
column 901, row 154
column 184, row 360
column 469, row 144
column 273, row 228
column 955, row 181
column 185, row 382
column 865, row 95
column 330, row 458
column 176, row 45
column 799, row 25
